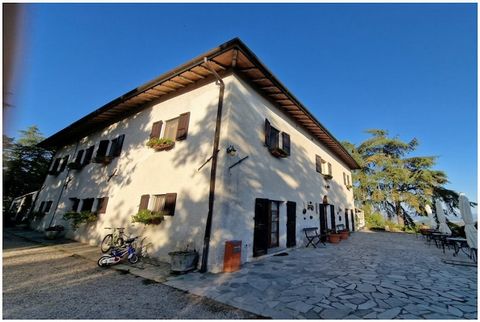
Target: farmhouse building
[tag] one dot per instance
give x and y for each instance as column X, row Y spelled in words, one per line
column 242, row 159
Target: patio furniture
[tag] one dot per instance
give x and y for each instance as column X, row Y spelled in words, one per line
column 313, row 237
column 462, row 244
column 440, row 239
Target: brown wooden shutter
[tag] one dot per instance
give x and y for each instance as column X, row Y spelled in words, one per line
column 48, row 205
column 144, row 202
column 79, row 156
column 64, row 163
column 156, row 129
column 170, row 201
column 286, row 143
column 182, row 129
column 318, row 163
column 88, row 155
column 329, row 168
column 117, row 146
column 268, row 129
column 75, row 204
column 344, row 179
column 102, row 205
column 42, row 205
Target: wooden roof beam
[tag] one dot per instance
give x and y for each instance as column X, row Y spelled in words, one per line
column 196, row 74
column 186, row 79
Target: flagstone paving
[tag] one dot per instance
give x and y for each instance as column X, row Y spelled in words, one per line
column 372, row 275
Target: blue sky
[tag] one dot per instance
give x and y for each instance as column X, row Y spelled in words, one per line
column 408, row 68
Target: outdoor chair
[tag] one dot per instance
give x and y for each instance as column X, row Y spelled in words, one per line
column 312, row 236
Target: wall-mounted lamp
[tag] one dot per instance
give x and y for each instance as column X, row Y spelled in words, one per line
column 231, row 150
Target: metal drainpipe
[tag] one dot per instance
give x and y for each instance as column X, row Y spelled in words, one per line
column 63, row 187
column 213, row 172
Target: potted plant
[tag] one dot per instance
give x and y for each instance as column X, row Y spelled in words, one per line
column 162, row 144
column 349, row 186
column 54, row 232
column 333, row 237
column 103, row 159
column 148, row 217
column 344, row 234
column 328, row 176
column 83, row 217
column 74, row 165
column 183, row 260
column 278, row 152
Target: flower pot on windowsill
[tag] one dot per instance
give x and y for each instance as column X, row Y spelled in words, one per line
column 328, row 176
column 149, row 217
column 334, row 238
column 164, row 147
column 183, row 261
column 74, row 166
column 103, row 160
column 278, row 153
column 162, row 144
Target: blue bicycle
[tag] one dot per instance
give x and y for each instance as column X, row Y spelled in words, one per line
column 118, row 253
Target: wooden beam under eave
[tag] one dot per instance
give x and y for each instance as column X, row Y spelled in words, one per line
column 246, row 70
column 176, row 83
column 196, row 74
column 261, row 79
column 157, row 91
column 188, row 80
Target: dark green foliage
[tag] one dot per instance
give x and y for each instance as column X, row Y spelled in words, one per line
column 392, row 182
column 83, row 217
column 25, row 165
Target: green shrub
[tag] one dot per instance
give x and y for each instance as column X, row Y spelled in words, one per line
column 375, row 220
column 156, row 141
column 80, row 217
column 148, row 217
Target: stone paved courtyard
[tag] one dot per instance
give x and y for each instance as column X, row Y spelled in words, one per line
column 372, row 275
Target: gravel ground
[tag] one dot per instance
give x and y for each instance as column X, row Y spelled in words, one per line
column 40, row 282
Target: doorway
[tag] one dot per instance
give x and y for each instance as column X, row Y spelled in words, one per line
column 291, row 224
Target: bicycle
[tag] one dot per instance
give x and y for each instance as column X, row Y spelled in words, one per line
column 118, row 253
column 112, row 240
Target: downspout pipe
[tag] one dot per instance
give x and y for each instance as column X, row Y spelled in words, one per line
column 213, row 172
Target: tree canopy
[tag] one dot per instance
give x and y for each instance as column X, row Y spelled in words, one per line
column 393, row 182
column 25, row 165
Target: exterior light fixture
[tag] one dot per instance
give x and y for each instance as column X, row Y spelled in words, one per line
column 231, row 150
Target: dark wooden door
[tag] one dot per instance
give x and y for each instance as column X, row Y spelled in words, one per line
column 291, row 224
column 353, row 219
column 260, row 231
column 323, row 222
column 347, row 222
column 332, row 218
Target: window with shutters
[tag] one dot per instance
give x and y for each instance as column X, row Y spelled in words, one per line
column 159, row 203
column 63, row 164
column 42, row 206
column 278, row 143
column 116, row 146
column 323, row 167
column 175, row 129
column 171, row 127
column 54, row 170
column 88, row 155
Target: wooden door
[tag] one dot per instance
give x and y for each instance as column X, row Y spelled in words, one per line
column 353, row 219
column 323, row 222
column 261, row 231
column 332, row 218
column 291, row 224
column 347, row 222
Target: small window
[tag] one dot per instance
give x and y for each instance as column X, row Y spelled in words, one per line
column 42, row 206
column 102, row 148
column 87, row 204
column 116, row 146
column 55, row 165
column 63, row 164
column 171, row 127
column 158, row 203
column 278, row 143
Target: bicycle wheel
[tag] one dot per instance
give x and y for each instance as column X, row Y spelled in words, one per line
column 133, row 259
column 103, row 261
column 106, row 243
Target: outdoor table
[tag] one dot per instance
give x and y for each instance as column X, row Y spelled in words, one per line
column 428, row 233
column 440, row 239
column 461, row 244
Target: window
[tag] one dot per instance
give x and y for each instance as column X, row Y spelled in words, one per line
column 87, row 204
column 278, row 143
column 171, row 127
column 75, row 203
column 102, row 149
column 102, row 205
column 274, row 223
column 116, row 146
column 54, row 168
column 42, row 205
column 163, row 202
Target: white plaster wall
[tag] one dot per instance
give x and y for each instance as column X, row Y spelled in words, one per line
column 264, row 176
column 140, row 170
